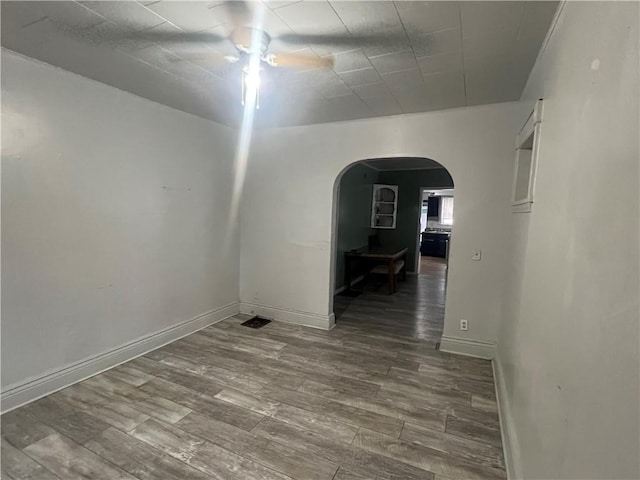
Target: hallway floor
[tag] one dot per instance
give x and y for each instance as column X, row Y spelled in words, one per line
column 278, row 403
column 415, row 310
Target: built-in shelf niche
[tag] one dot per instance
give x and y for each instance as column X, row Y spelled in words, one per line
column 527, row 147
column 384, row 206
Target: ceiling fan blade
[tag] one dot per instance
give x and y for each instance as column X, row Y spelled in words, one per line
column 337, row 39
column 211, row 59
column 123, row 33
column 293, row 60
column 239, row 13
column 180, row 37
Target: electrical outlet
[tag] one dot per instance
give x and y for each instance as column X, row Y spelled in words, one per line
column 464, row 325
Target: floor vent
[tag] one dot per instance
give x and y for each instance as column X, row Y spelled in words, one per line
column 256, row 322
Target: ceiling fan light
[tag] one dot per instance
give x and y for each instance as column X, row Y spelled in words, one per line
column 251, row 86
column 252, row 79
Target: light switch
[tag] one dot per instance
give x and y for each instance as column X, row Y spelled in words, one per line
column 477, row 254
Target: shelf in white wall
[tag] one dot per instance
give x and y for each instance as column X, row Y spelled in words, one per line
column 384, row 206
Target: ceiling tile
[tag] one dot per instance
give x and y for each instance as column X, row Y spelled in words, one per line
column 444, row 41
column 274, row 25
column 351, row 60
column 493, row 78
column 224, row 47
column 536, row 19
column 441, row 63
column 127, row 14
column 167, row 61
column 395, row 62
column 311, row 17
column 272, row 4
column 478, row 18
column 388, row 40
column 415, row 101
column 401, row 81
column 278, row 45
column 18, row 14
column 334, row 90
column 206, row 55
column 68, row 13
column 219, row 13
column 139, row 40
column 447, row 89
column 424, row 17
column 492, row 43
column 196, row 17
column 385, row 105
column 29, row 40
column 365, row 76
column 366, row 16
column 315, row 78
column 371, row 91
column 348, row 107
column 106, row 33
column 159, row 57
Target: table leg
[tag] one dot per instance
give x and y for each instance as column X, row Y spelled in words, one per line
column 392, row 278
column 347, row 273
column 404, row 268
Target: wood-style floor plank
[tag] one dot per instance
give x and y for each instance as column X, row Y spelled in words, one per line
column 71, row 461
column 351, row 458
column 205, row 456
column 17, row 465
column 424, row 457
column 140, row 459
column 456, row 446
column 371, row 399
column 345, row 413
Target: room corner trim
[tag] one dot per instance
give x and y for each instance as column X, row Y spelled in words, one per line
column 32, row 389
column 306, row 319
column 470, row 348
column 510, row 445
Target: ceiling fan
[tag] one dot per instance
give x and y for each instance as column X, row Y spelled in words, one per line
column 251, row 43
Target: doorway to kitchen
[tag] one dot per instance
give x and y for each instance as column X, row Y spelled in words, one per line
column 383, row 286
column 434, row 239
column 436, row 222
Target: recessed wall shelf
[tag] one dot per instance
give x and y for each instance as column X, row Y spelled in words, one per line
column 384, row 206
column 524, row 175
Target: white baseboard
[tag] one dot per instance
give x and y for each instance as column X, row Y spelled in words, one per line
column 307, row 319
column 510, row 444
column 470, row 348
column 32, row 389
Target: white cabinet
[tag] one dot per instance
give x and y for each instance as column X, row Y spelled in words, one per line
column 384, row 206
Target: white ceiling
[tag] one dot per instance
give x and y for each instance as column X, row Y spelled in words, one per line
column 402, row 163
column 426, row 55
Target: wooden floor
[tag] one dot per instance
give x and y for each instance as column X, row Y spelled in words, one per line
column 433, row 266
column 415, row 310
column 280, row 402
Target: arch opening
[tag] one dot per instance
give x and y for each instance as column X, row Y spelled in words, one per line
column 411, row 300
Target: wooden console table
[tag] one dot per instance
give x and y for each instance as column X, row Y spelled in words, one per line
column 376, row 256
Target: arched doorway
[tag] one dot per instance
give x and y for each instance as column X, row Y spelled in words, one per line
column 390, row 253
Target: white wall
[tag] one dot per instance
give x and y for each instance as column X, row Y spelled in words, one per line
column 287, row 208
column 568, row 348
column 115, row 219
